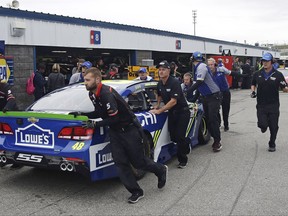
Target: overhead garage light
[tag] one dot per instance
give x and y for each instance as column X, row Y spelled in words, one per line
column 59, row 51
column 105, row 53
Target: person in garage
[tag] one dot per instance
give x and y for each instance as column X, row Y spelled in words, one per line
column 169, row 89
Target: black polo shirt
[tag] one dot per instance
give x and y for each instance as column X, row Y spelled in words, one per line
column 268, row 86
column 111, row 107
column 172, row 89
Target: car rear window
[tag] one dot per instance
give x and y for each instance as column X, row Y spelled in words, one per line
column 66, row 99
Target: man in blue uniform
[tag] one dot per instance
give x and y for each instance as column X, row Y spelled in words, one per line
column 211, row 96
column 126, row 135
column 219, row 73
column 169, row 90
column 268, row 81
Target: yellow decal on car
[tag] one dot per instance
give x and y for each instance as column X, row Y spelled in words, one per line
column 78, row 146
column 156, row 136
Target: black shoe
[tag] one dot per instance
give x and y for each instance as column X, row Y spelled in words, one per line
column 217, row 147
column 271, row 149
column 134, row 198
column 226, row 128
column 182, row 165
column 263, row 130
column 162, row 179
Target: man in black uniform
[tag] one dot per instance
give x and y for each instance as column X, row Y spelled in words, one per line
column 7, row 100
column 7, row 103
column 268, row 81
column 125, row 134
column 169, row 89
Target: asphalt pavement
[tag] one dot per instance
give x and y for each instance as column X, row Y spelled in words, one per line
column 242, row 179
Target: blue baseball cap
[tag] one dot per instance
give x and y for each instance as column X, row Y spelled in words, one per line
column 86, row 64
column 267, row 57
column 142, row 70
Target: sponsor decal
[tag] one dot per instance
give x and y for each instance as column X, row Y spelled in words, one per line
column 29, row 158
column 34, row 136
column 33, row 120
column 146, row 118
column 100, row 156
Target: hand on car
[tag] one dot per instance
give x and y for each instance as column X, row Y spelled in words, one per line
column 89, row 124
column 75, row 114
column 4, row 110
column 155, row 111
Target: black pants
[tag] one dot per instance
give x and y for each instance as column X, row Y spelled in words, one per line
column 268, row 116
column 211, row 105
column 246, row 84
column 225, row 104
column 127, row 148
column 177, row 124
column 235, row 80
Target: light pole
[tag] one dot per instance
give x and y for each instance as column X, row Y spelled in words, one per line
column 194, row 15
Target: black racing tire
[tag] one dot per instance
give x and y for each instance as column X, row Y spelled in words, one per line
column 203, row 132
column 147, row 145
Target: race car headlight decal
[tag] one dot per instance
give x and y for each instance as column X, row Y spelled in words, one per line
column 5, row 128
column 76, row 133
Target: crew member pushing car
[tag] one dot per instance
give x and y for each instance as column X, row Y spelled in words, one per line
column 7, row 100
column 126, row 134
column 169, row 89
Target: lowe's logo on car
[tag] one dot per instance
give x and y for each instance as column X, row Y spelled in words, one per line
column 100, row 156
column 34, row 136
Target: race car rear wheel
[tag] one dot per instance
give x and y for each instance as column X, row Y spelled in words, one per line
column 147, row 144
column 203, row 132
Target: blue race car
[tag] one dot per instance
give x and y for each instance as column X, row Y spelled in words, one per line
column 45, row 135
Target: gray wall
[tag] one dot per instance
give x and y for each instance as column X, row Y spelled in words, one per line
column 23, row 67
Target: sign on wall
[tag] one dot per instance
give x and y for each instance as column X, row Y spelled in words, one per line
column 6, row 69
column 95, row 37
column 178, row 44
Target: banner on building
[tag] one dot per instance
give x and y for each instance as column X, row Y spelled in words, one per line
column 95, row 37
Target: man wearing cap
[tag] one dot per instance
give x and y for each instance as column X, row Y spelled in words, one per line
column 143, row 75
column 267, row 81
column 79, row 77
column 114, row 72
column 169, row 90
column 211, row 95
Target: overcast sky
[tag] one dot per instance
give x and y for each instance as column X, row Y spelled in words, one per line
column 260, row 21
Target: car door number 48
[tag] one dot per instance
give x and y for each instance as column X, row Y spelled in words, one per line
column 78, row 146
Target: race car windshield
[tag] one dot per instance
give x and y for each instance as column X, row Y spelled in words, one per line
column 67, row 99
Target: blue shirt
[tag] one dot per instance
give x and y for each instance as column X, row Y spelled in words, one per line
column 221, row 81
